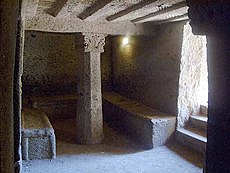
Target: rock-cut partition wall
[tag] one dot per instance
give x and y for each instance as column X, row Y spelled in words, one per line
column 50, row 64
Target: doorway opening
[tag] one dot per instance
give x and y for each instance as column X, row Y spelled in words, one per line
column 193, row 82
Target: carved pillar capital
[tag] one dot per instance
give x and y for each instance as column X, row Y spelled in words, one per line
column 209, row 15
column 94, row 42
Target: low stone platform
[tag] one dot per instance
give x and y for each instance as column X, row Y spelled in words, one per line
column 56, row 106
column 38, row 138
column 146, row 126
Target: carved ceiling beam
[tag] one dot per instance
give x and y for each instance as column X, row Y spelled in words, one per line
column 130, row 9
column 183, row 17
column 56, row 7
column 93, row 8
column 166, row 10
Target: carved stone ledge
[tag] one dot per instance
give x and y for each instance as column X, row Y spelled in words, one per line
column 208, row 15
column 94, row 42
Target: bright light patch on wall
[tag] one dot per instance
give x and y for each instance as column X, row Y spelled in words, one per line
column 125, row 41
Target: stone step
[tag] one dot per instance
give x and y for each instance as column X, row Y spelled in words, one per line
column 199, row 121
column 193, row 138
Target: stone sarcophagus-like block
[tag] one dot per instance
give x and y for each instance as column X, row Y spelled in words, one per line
column 38, row 138
column 146, row 126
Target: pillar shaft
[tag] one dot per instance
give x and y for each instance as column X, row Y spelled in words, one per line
column 8, row 30
column 218, row 144
column 211, row 18
column 89, row 110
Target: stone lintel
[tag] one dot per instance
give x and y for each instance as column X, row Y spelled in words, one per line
column 51, row 24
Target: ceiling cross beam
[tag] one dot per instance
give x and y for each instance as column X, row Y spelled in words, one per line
column 130, row 9
column 166, row 10
column 183, row 17
column 99, row 4
column 56, row 7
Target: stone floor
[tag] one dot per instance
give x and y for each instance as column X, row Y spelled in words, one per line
column 116, row 155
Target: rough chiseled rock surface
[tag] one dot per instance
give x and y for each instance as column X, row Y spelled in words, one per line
column 50, row 64
column 147, row 70
column 193, row 84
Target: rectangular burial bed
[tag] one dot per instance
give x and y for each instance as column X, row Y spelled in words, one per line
column 57, row 106
column 146, row 126
column 38, row 138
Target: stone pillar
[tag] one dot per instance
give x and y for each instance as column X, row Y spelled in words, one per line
column 8, row 30
column 212, row 18
column 89, row 109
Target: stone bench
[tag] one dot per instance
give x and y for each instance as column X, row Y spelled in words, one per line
column 56, row 106
column 38, row 138
column 146, row 126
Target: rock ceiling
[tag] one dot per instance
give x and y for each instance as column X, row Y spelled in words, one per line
column 101, row 15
